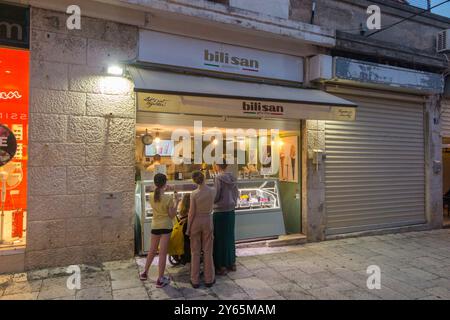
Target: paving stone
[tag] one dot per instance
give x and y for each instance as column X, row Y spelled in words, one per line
column 385, row 293
column 252, row 264
column 125, row 278
column 21, row 296
column 124, row 274
column 256, row 288
column 440, row 292
column 118, row 265
column 38, row 274
column 240, row 273
column 205, row 297
column 269, row 276
column 188, row 292
column 413, row 266
column 94, row 293
column 168, row 292
column 57, row 272
column 65, row 298
column 125, row 284
column 430, row 298
column 95, row 279
column 20, row 277
column 404, row 288
column 5, row 280
column 23, row 287
column 138, row 293
column 91, row 268
column 55, row 288
column 419, row 274
column 292, row 291
column 304, row 280
column 228, row 290
column 327, row 293
column 275, row 298
column 360, row 294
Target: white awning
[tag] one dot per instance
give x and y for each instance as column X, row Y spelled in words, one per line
column 159, row 91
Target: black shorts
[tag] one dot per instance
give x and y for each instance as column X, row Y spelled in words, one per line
column 158, row 232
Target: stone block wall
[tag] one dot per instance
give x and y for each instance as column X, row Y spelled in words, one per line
column 279, row 8
column 313, row 181
column 82, row 128
column 348, row 16
column 433, row 162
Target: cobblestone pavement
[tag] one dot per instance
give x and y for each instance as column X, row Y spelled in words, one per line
column 413, row 265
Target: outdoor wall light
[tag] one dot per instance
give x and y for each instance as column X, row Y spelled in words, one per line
column 115, row 70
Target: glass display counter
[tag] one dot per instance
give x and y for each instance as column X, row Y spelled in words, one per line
column 258, row 210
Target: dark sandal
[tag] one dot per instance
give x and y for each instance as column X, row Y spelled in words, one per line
column 209, row 285
column 221, row 272
column 143, row 276
column 232, row 268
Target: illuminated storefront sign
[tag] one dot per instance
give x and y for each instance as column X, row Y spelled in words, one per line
column 14, row 101
column 14, row 26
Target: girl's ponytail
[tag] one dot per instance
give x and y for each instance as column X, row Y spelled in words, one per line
column 160, row 181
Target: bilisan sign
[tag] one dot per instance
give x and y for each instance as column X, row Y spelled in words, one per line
column 196, row 105
column 14, row 26
column 173, row 50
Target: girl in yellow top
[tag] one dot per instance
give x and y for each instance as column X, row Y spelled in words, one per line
column 164, row 210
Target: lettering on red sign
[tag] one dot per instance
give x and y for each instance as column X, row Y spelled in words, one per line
column 10, row 95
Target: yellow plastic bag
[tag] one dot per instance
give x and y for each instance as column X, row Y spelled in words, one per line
column 176, row 243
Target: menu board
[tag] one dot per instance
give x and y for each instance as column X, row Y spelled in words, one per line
column 14, row 101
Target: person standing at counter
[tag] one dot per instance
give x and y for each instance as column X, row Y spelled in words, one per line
column 225, row 201
column 164, row 210
column 200, row 230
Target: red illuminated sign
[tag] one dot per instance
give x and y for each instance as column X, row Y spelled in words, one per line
column 14, row 101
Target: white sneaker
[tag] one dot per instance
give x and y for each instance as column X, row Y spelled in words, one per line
column 162, row 282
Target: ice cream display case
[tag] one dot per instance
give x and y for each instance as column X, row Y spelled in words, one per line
column 258, row 210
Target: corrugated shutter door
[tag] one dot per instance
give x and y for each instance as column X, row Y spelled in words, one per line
column 375, row 167
column 445, row 118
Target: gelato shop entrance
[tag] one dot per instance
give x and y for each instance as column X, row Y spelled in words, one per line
column 187, row 123
column 253, row 151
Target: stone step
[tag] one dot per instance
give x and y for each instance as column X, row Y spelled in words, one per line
column 287, row 240
column 284, row 240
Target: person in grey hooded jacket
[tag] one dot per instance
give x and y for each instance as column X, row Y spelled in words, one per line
column 225, row 201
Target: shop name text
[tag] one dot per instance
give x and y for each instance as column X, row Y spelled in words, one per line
column 214, row 59
column 261, row 108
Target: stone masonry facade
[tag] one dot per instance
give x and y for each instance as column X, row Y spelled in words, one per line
column 82, row 121
column 82, row 128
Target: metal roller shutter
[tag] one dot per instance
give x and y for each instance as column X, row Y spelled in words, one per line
column 375, row 167
column 445, row 118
